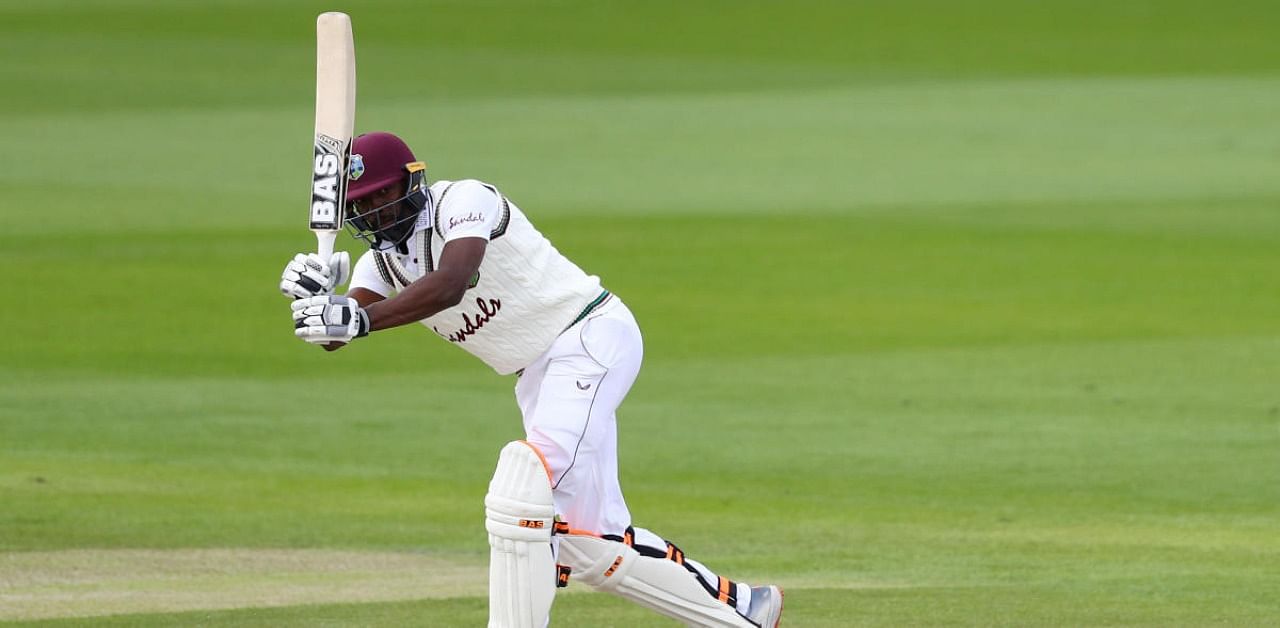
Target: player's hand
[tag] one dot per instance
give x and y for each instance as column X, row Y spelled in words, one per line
column 329, row 318
column 306, row 275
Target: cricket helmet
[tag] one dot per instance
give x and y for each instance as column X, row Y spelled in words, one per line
column 379, row 160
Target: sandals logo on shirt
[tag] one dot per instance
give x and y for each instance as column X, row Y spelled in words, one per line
column 488, row 309
column 462, row 220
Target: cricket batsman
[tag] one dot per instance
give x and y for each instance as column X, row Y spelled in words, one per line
column 463, row 260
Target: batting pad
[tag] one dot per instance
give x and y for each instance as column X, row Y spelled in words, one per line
column 519, row 515
column 656, row 583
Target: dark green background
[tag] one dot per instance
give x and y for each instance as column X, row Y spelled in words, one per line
column 955, row 313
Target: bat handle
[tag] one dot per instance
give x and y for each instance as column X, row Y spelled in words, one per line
column 324, row 244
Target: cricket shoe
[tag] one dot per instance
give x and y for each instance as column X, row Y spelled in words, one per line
column 766, row 606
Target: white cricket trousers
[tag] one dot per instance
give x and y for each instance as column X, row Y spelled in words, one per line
column 569, row 397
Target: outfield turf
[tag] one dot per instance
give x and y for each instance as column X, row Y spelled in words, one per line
column 959, row 314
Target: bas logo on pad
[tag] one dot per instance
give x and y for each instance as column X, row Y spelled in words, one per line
column 357, row 167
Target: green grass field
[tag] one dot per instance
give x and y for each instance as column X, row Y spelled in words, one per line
column 957, row 314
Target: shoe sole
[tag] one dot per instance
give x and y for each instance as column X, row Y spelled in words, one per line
column 776, row 618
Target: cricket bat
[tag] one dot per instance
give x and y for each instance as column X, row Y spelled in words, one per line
column 335, row 122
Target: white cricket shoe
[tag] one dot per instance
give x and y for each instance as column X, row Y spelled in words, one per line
column 766, row 606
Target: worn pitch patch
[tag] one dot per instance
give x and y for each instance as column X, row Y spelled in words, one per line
column 84, row 583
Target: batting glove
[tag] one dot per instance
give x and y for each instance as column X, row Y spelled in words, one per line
column 329, row 318
column 306, row 275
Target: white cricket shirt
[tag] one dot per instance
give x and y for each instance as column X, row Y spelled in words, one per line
column 525, row 294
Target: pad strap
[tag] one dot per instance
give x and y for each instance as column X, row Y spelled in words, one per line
column 718, row 587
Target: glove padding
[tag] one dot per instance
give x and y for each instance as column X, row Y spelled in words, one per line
column 307, row 275
column 329, row 318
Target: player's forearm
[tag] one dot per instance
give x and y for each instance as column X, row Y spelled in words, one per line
column 422, row 299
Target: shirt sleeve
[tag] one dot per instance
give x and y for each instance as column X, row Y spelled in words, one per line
column 365, row 275
column 470, row 209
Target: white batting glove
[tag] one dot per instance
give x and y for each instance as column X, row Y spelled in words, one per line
column 306, row 275
column 329, row 318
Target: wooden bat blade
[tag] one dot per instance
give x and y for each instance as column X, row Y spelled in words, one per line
column 335, row 122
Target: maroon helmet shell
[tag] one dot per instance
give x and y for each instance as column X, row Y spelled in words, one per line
column 377, row 160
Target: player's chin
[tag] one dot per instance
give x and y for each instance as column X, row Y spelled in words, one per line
column 333, row 346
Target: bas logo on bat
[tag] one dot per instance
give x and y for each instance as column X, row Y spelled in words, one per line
column 326, row 184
